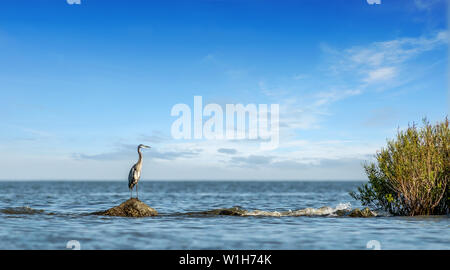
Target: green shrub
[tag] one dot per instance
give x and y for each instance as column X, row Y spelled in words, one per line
column 411, row 174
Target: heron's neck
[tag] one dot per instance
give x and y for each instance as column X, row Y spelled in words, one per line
column 140, row 156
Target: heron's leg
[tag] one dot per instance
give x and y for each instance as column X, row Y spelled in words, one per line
column 137, row 194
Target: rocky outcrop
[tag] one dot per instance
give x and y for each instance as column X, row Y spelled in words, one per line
column 362, row 213
column 342, row 212
column 130, row 208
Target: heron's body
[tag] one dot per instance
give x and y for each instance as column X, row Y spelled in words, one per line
column 135, row 172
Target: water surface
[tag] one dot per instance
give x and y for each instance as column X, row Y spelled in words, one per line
column 47, row 214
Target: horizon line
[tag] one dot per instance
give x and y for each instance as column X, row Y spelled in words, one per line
column 186, row 180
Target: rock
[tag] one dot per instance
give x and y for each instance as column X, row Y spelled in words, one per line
column 130, row 208
column 361, row 213
column 233, row 211
column 342, row 212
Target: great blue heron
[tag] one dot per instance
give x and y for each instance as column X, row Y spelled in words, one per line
column 135, row 172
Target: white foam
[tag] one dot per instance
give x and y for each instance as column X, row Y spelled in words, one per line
column 344, row 206
column 264, row 213
column 322, row 211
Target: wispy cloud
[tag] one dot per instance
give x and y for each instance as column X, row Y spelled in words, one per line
column 155, row 137
column 128, row 152
column 334, row 95
column 228, row 151
column 382, row 61
column 372, row 2
column 380, row 74
column 252, row 160
column 31, row 134
column 395, row 51
column 304, row 112
column 427, row 4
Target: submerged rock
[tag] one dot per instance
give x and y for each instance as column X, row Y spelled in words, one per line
column 130, row 208
column 233, row 211
column 342, row 212
column 362, row 213
column 21, row 211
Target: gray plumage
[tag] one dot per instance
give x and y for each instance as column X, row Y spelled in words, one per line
column 135, row 171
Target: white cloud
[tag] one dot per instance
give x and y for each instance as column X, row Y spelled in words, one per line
column 303, row 112
column 71, row 2
column 386, row 62
column 381, row 74
column 371, row 2
column 334, row 95
column 400, row 50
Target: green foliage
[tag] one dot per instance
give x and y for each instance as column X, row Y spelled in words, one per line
column 411, row 174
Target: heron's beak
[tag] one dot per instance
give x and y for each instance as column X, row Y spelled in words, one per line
column 145, row 146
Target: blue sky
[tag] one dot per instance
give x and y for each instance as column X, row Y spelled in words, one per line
column 82, row 85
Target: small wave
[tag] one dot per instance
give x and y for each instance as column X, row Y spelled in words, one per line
column 24, row 210
column 339, row 210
